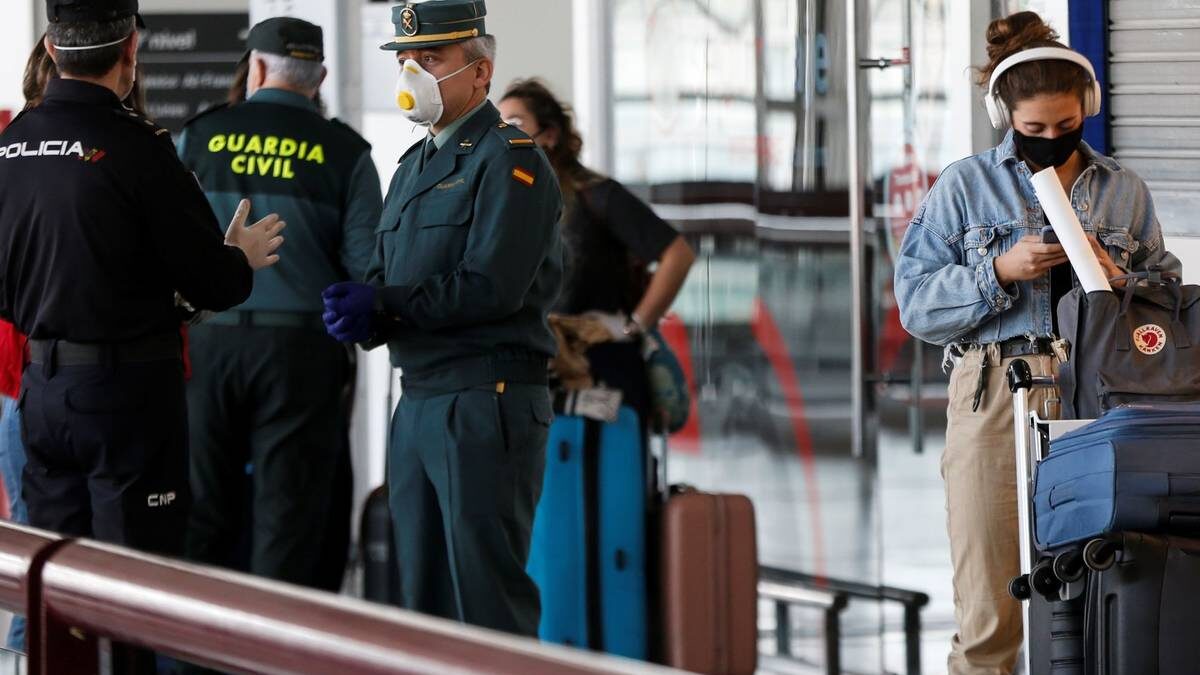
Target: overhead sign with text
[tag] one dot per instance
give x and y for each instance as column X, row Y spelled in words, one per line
column 188, row 63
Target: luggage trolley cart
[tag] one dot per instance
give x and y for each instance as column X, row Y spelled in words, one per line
column 1051, row 587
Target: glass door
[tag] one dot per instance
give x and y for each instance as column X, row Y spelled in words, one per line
column 791, row 150
column 730, row 117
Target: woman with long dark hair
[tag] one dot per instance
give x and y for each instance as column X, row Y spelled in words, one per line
column 612, row 238
column 975, row 275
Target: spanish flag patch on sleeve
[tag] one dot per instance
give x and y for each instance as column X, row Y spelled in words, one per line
column 522, row 176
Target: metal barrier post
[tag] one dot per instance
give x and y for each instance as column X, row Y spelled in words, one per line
column 833, row 640
column 55, row 647
column 783, row 628
column 912, row 637
column 785, row 594
column 912, row 601
column 23, row 552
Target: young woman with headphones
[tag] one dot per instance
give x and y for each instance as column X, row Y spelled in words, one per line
column 974, row 274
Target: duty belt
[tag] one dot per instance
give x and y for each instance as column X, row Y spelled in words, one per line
column 65, row 353
column 257, row 319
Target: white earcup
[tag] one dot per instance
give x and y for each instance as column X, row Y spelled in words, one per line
column 1092, row 100
column 996, row 110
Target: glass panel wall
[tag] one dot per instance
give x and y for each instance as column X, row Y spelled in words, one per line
column 730, row 117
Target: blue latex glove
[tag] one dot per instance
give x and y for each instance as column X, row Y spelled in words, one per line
column 349, row 311
column 349, row 329
column 349, row 298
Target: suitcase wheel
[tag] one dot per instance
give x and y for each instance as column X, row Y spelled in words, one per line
column 1068, row 566
column 1043, row 580
column 1099, row 554
column 1019, row 589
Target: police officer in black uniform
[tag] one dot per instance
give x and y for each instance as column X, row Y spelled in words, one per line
column 100, row 227
column 268, row 382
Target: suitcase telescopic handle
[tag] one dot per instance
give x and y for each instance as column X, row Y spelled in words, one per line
column 1020, row 377
column 665, row 451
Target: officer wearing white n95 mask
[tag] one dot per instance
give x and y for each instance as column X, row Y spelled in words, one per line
column 418, row 94
column 467, row 262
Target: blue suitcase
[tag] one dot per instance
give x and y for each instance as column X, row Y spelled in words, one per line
column 1136, row 469
column 588, row 554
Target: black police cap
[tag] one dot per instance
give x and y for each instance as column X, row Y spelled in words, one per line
column 84, row 11
column 286, row 36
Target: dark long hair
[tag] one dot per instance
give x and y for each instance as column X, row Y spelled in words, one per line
column 1016, row 33
column 237, row 90
column 551, row 113
column 40, row 69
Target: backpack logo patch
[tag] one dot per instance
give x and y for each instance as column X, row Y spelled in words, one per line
column 1149, row 339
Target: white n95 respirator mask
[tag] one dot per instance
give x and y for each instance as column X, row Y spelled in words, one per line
column 418, row 94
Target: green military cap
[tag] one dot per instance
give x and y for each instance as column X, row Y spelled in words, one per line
column 434, row 23
column 286, row 36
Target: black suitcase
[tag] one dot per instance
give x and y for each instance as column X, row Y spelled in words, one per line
column 381, row 575
column 1135, row 610
column 1056, row 648
column 1142, row 614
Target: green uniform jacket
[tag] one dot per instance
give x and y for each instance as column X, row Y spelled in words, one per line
column 468, row 251
column 279, row 152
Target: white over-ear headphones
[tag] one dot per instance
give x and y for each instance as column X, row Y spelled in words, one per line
column 998, row 111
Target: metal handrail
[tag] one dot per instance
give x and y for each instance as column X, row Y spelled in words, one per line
column 21, row 549
column 78, row 591
column 912, row 601
column 785, row 595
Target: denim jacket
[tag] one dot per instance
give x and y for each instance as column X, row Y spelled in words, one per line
column 979, row 208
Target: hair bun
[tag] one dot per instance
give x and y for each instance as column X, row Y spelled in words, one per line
column 1012, row 34
column 1016, row 32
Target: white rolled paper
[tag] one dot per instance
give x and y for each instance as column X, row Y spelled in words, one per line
column 1070, row 233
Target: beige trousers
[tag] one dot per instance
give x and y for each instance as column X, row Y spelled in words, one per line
column 979, row 469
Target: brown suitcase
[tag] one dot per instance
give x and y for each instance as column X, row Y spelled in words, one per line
column 709, row 583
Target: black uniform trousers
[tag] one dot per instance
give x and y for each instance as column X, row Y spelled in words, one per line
column 272, row 398
column 107, row 452
column 465, row 473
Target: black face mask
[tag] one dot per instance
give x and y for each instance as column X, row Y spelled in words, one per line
column 1048, row 152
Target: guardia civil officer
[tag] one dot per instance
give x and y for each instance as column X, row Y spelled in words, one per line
column 268, row 381
column 100, row 226
column 467, row 261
